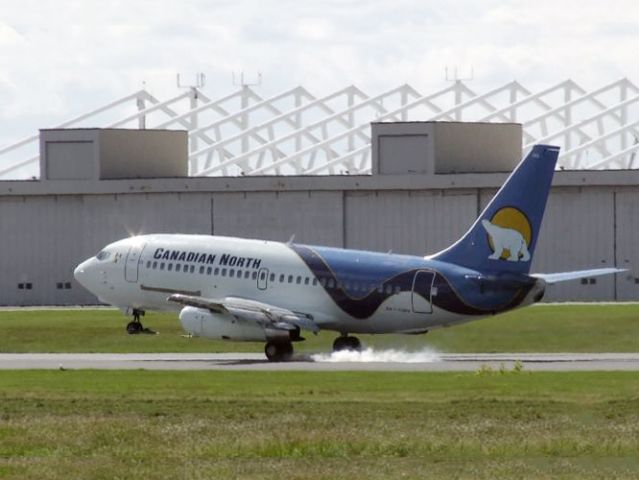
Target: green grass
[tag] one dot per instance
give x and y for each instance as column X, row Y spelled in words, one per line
column 546, row 328
column 273, row 425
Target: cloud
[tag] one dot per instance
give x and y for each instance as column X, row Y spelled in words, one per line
column 66, row 58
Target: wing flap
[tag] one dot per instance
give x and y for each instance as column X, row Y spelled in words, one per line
column 251, row 310
column 214, row 306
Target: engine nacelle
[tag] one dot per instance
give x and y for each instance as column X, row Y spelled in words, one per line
column 203, row 323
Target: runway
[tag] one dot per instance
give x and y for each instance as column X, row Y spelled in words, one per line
column 432, row 362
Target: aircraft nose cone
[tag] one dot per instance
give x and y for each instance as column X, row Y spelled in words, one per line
column 80, row 272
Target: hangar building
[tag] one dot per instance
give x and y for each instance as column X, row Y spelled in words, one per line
column 393, row 184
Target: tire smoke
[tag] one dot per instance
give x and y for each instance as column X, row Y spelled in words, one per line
column 371, row 355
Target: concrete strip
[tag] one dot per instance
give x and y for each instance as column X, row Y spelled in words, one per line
column 256, row 361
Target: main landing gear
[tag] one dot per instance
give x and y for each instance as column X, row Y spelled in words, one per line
column 282, row 350
column 279, row 351
column 136, row 326
column 347, row 343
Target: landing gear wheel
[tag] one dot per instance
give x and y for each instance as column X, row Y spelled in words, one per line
column 354, row 344
column 347, row 343
column 278, row 351
column 134, row 327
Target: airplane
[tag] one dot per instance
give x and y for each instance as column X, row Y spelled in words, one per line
column 257, row 290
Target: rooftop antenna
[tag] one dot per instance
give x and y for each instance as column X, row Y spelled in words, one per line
column 455, row 77
column 458, row 86
column 240, row 82
column 200, row 81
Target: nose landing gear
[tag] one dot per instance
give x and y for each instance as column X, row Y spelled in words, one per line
column 135, row 326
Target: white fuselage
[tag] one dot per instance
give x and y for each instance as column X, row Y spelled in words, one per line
column 141, row 272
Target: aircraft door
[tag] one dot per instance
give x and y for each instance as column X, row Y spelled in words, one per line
column 262, row 278
column 132, row 263
column 422, row 291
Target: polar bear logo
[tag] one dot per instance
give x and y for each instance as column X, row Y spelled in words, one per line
column 506, row 239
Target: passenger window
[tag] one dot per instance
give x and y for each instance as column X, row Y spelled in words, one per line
column 148, row 264
column 290, row 279
column 208, row 270
column 224, row 272
column 202, row 269
column 192, row 268
column 272, row 279
column 254, row 275
column 281, row 278
column 161, row 265
column 322, row 282
column 169, row 267
column 178, row 267
column 231, row 273
column 247, row 274
column 314, row 282
column 306, row 280
column 298, row 280
column 216, row 271
column 155, row 265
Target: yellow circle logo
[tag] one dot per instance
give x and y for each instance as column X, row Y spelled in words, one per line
column 509, row 235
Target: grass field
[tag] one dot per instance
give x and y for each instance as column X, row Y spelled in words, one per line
column 544, row 328
column 261, row 425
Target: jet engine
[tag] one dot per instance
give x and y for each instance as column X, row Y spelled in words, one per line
column 201, row 322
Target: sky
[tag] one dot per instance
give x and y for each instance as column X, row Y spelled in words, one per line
column 61, row 58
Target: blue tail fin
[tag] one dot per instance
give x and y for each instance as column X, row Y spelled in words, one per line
column 504, row 236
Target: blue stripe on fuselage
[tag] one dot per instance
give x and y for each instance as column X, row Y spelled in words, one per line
column 360, row 267
column 360, row 274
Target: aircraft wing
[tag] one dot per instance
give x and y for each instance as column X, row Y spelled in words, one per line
column 250, row 310
column 565, row 276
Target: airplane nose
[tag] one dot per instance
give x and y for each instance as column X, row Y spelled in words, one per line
column 80, row 272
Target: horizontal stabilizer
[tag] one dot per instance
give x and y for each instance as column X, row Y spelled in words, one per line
column 565, row 276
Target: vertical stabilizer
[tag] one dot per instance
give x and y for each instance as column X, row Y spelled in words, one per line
column 504, row 236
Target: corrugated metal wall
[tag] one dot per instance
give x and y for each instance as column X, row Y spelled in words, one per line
column 44, row 237
column 627, row 242
column 418, row 223
column 578, row 233
column 313, row 217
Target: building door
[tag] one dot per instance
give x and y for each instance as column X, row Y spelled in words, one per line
column 422, row 291
column 133, row 262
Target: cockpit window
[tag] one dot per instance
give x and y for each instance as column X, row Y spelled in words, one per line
column 103, row 255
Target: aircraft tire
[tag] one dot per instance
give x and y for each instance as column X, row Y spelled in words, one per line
column 278, row 351
column 347, row 343
column 339, row 344
column 354, row 344
column 134, row 327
